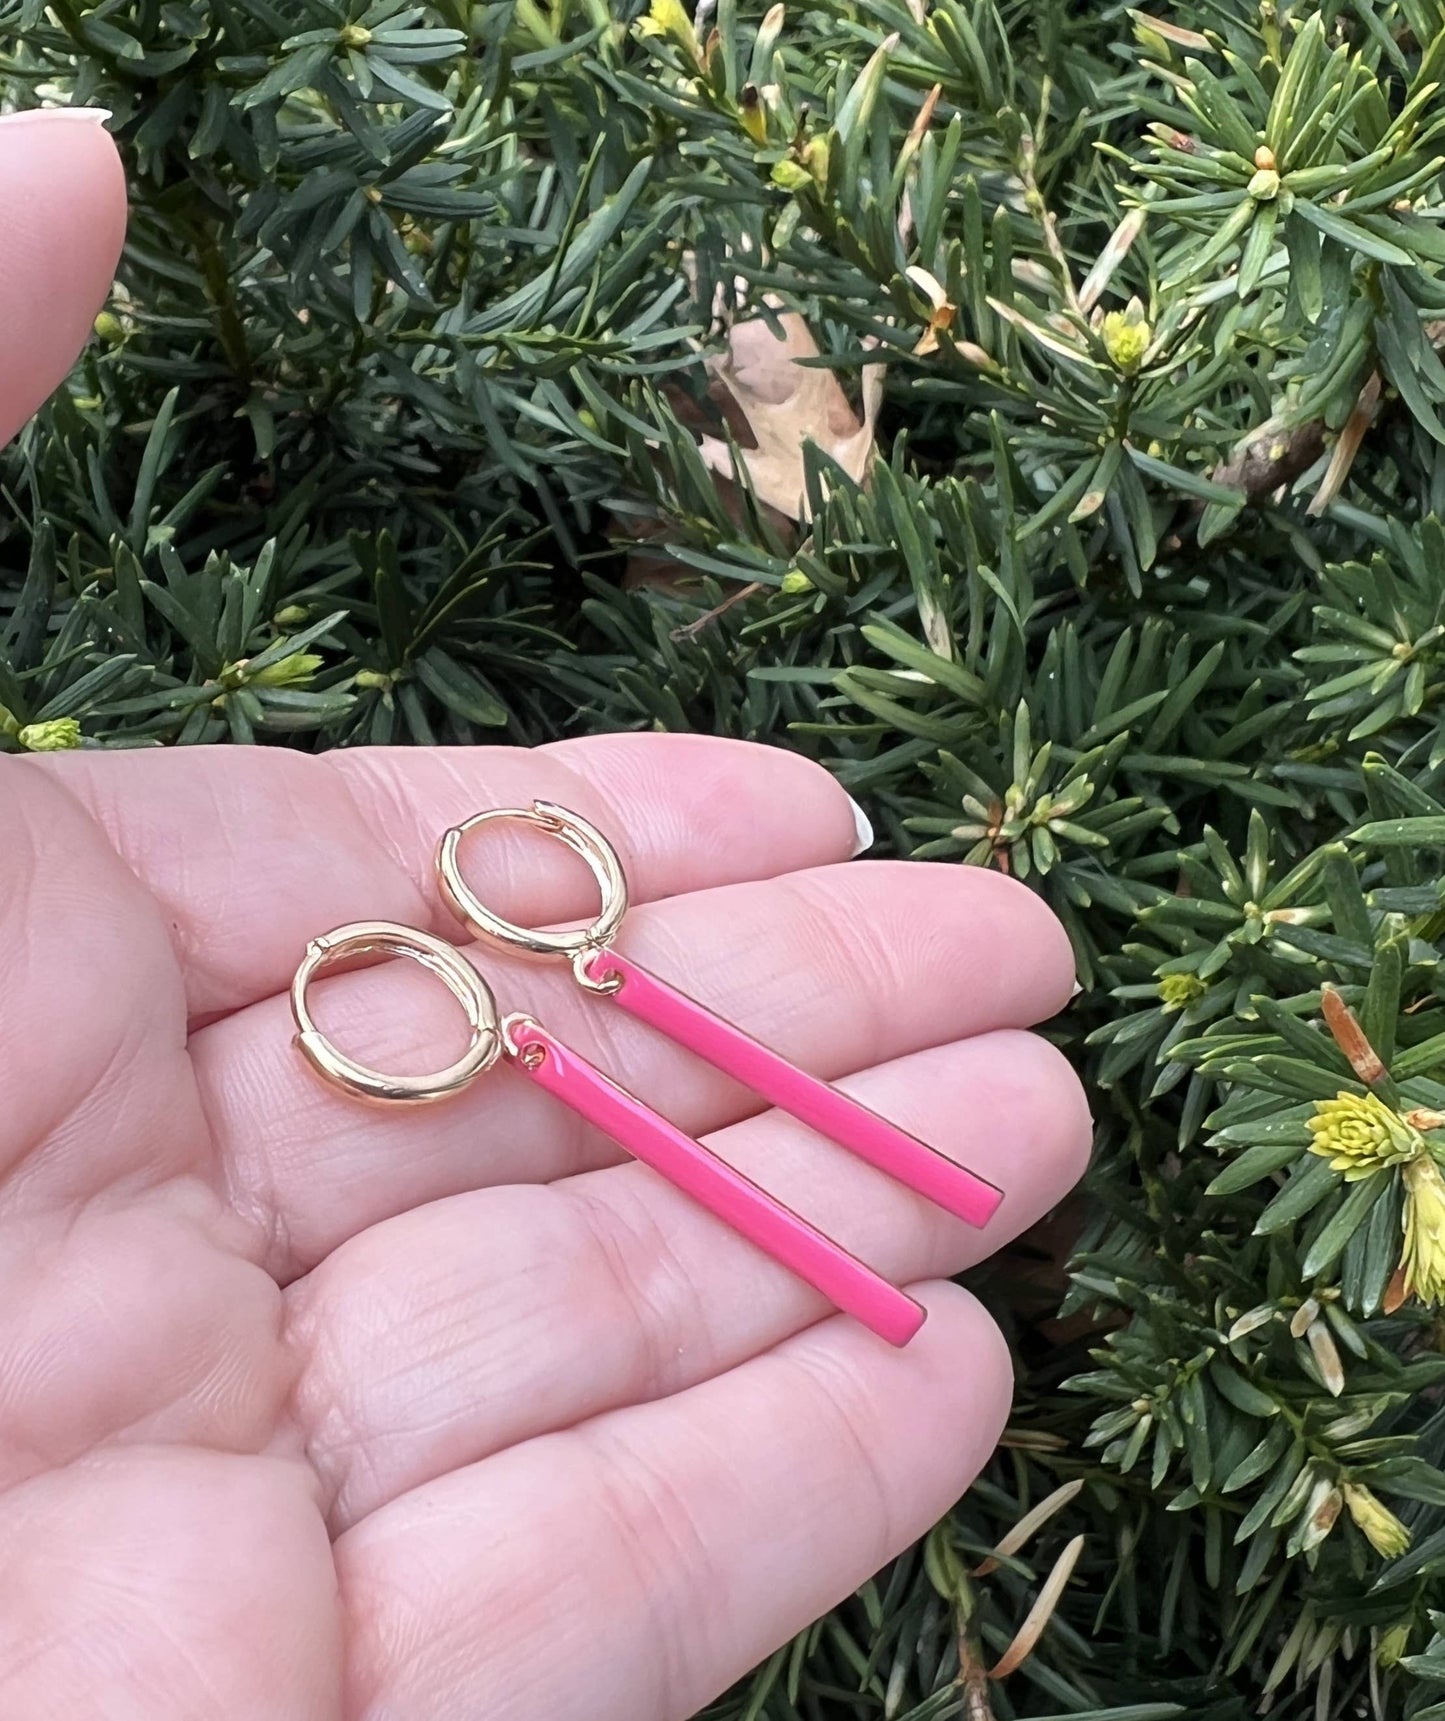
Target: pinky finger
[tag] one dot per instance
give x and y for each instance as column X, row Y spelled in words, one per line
column 635, row 1566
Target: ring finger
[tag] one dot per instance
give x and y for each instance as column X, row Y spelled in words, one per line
column 451, row 1332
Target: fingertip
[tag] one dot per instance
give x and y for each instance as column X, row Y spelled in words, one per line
column 1039, row 939
column 863, row 828
column 957, row 1321
column 799, row 796
column 746, row 810
column 958, row 1360
column 62, row 209
column 1061, row 1133
column 969, row 1364
column 1019, row 1117
column 938, row 1403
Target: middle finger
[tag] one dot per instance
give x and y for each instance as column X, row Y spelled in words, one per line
column 838, row 969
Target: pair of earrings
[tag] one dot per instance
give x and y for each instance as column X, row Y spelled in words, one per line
column 605, row 972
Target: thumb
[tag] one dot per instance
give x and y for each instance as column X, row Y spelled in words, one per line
column 62, row 220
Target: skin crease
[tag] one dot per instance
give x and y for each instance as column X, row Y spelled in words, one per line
column 313, row 1413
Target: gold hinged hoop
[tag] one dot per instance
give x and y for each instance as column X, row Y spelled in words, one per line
column 584, row 840
column 384, row 937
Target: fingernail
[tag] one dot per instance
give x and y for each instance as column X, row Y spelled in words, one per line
column 1078, row 987
column 863, row 826
column 86, row 116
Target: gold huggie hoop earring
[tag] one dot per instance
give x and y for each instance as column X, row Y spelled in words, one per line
column 580, row 943
column 384, row 937
column 600, row 967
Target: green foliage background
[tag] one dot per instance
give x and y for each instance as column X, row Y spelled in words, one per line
column 408, row 332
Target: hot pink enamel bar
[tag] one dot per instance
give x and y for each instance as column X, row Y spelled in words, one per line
column 710, row 1181
column 823, row 1108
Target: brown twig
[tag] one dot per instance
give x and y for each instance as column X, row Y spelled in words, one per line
column 1269, row 460
column 973, row 1681
column 1048, row 224
column 689, row 629
column 1272, row 459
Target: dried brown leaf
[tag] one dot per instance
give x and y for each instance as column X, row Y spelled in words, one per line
column 1040, row 1613
column 1347, row 446
column 1349, row 1036
column 788, row 404
column 1029, row 1524
column 1327, row 1358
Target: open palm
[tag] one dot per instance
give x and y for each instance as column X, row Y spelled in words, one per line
column 308, row 1410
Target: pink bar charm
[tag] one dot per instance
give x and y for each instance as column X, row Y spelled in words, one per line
column 715, row 1185
column 813, row 1102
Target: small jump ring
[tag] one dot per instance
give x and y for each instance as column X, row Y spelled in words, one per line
column 530, row 1053
column 584, row 840
column 383, row 937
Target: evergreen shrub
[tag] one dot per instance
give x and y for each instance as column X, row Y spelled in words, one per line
column 1033, row 409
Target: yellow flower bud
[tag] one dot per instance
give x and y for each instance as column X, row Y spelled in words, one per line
column 1178, row 990
column 1359, row 1135
column 59, row 735
column 815, row 159
column 354, row 36
column 1424, row 1254
column 795, row 581
column 1126, row 337
column 1377, row 1523
column 373, row 678
column 291, row 615
column 668, row 20
column 1391, row 1645
column 753, row 114
column 1149, row 39
column 289, row 671
column 1264, row 186
column 109, row 328
column 790, row 175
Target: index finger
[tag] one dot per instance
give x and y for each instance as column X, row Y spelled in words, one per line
column 253, row 851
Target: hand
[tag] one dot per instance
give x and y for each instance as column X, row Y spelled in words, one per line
column 313, row 1411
